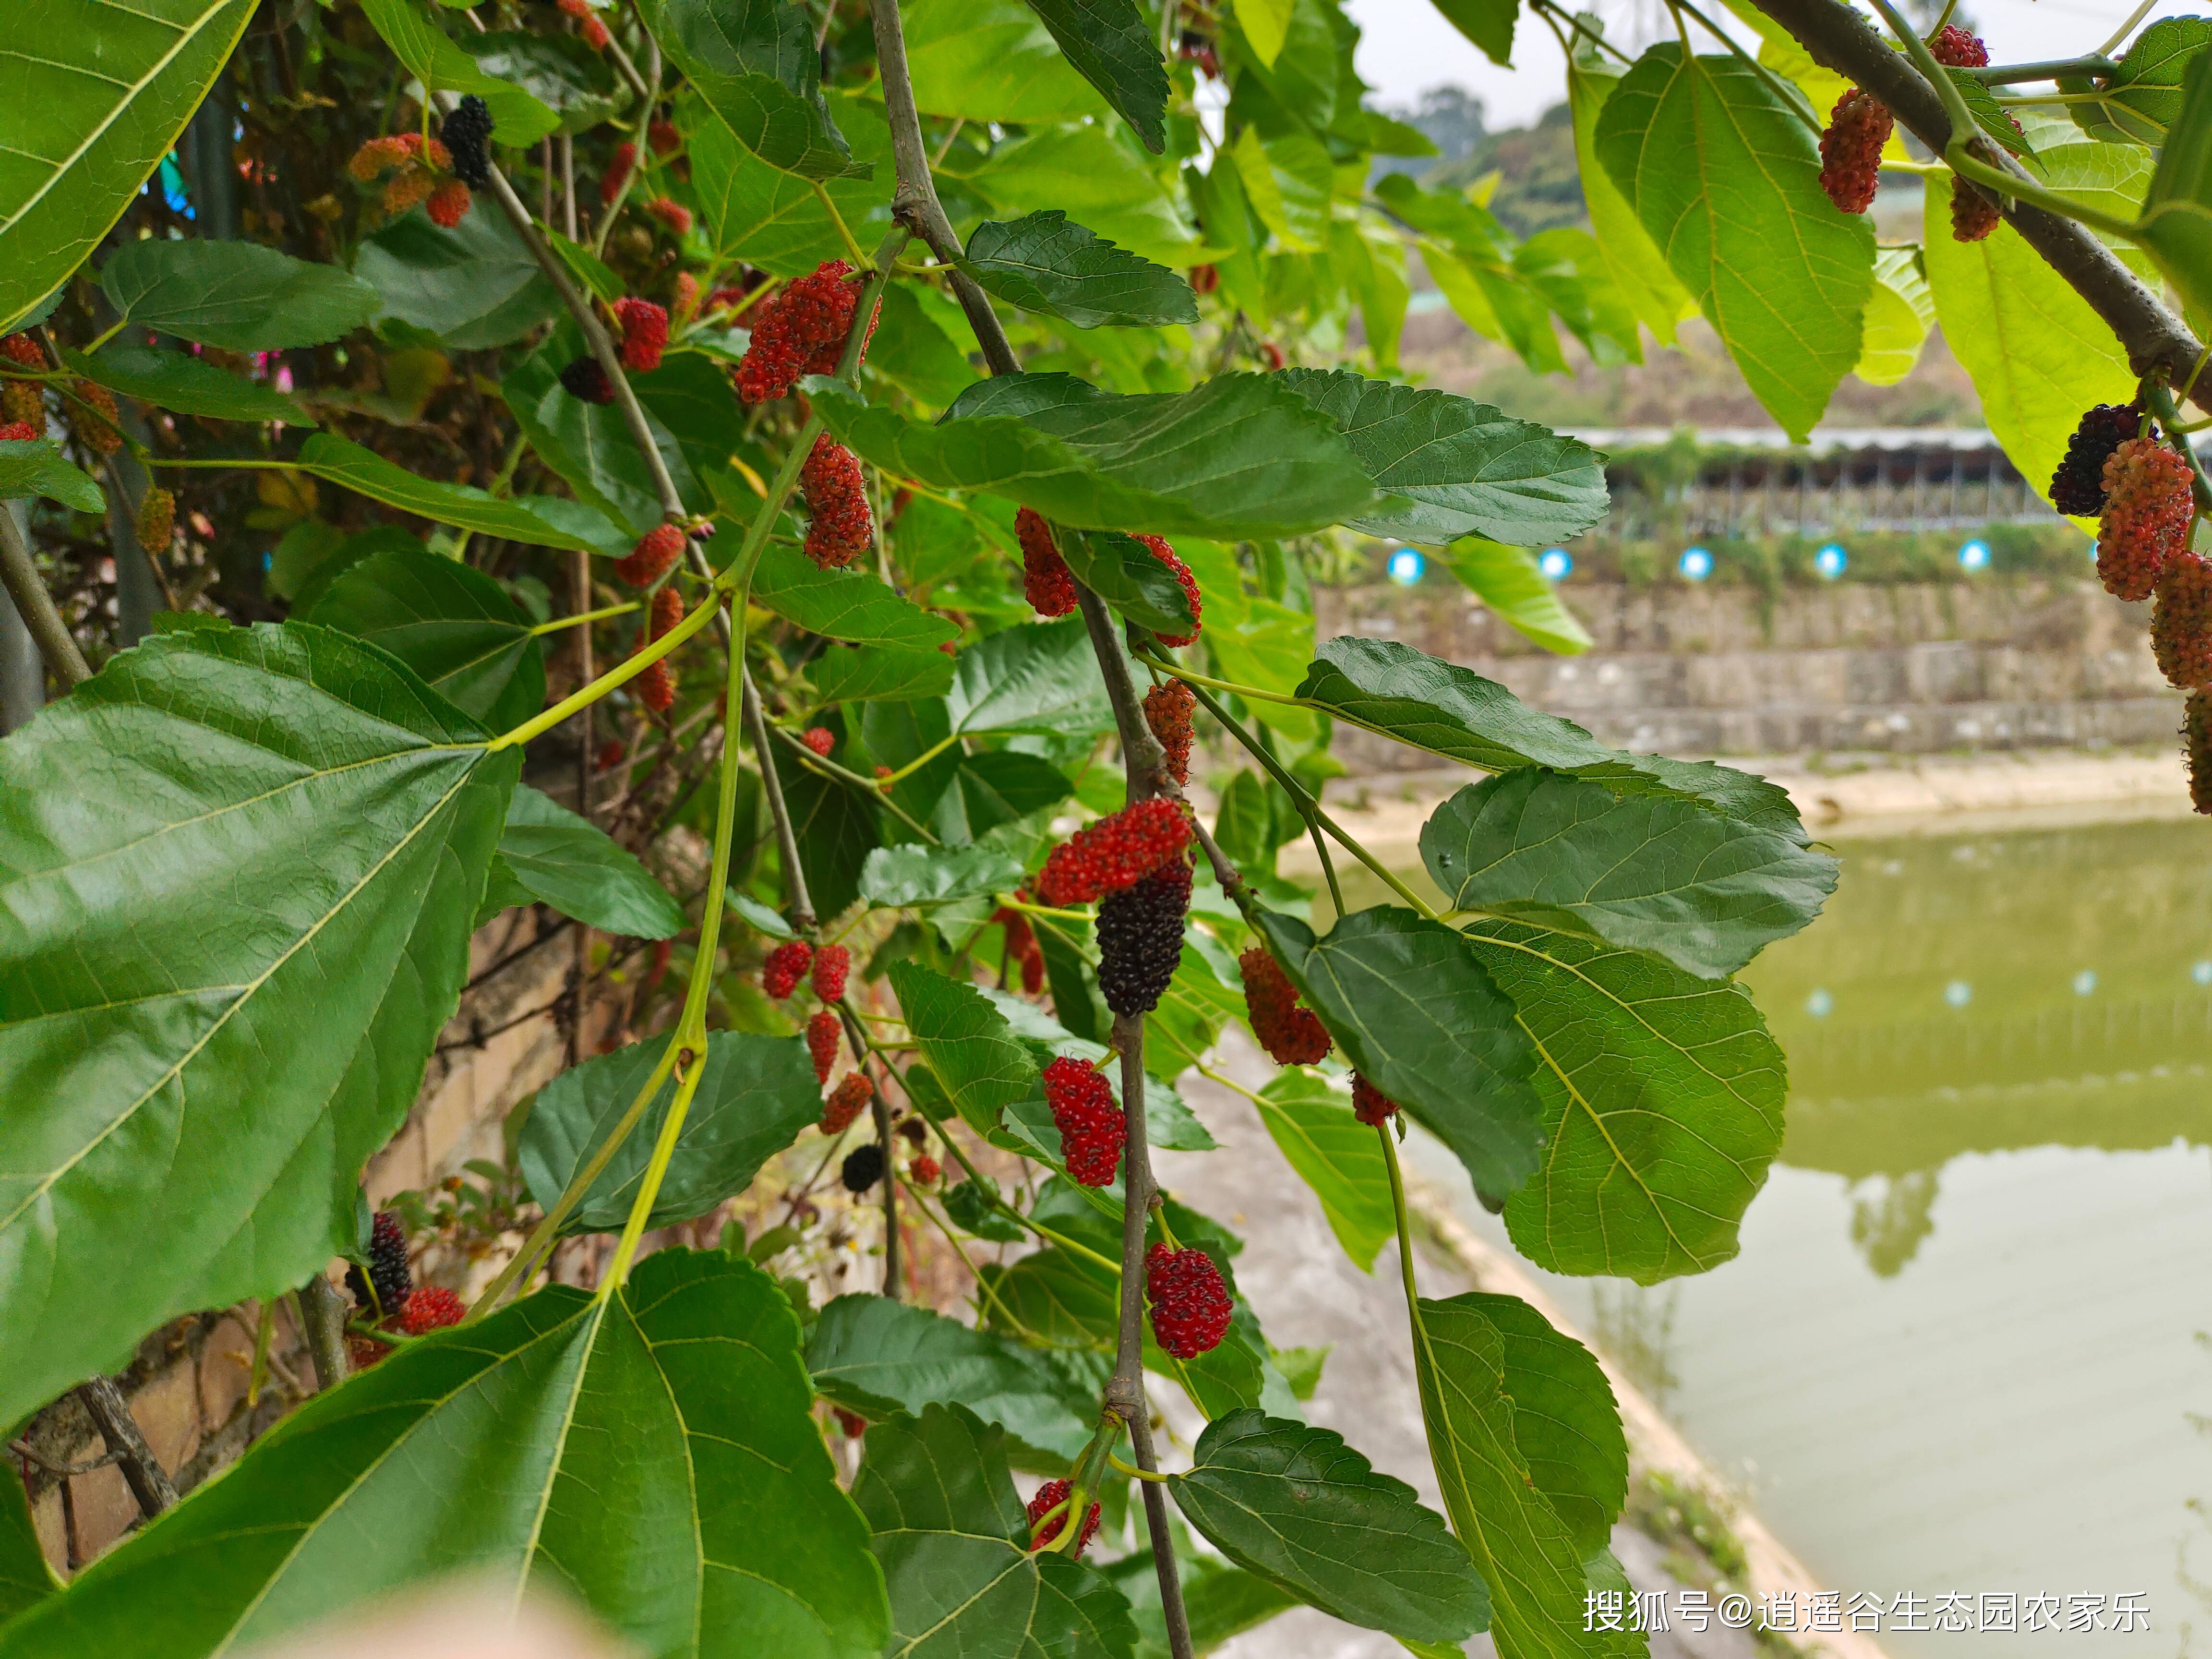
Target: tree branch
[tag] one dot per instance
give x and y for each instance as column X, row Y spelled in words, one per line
column 322, row 1317
column 142, row 1471
column 19, row 571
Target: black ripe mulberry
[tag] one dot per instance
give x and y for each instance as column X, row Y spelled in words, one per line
column 1190, row 1305
column 467, row 133
column 2197, row 749
column 384, row 1289
column 1140, row 938
column 1851, row 150
column 1091, row 1127
column 863, row 1167
column 1167, row 711
column 585, row 381
column 2181, row 623
column 2147, row 513
column 2078, row 486
column 1049, row 1497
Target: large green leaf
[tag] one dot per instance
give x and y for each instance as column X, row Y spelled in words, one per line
column 1453, row 712
column 836, row 827
column 1725, row 176
column 2177, row 221
column 755, row 1094
column 589, row 445
column 366, row 473
column 474, row 286
column 868, row 672
column 559, row 71
column 991, row 60
column 1899, row 314
column 451, row 623
column 1510, row 582
column 877, row 1356
column 36, row 466
column 1651, row 873
column 953, row 1538
column 1530, row 1555
column 1095, row 174
column 995, row 787
column 1419, row 1017
column 1040, row 677
column 1241, row 456
column 773, row 219
column 1462, row 468
column 1488, row 23
column 2143, row 99
column 238, row 295
column 838, row 605
column 1565, row 1421
column 97, row 94
column 1302, row 1509
column 756, row 63
column 418, row 39
column 1336, row 1154
column 1661, row 1099
column 1046, row 261
column 1638, row 268
column 914, row 874
column 577, row 868
column 25, row 1578
column 237, row 872
column 915, row 354
column 652, row 1455
column 186, row 384
column 967, row 1042
column 1111, row 45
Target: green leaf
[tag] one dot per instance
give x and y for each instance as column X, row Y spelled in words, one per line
column 1453, row 712
column 1039, row 677
column 970, row 1205
column 1898, row 314
column 953, row 1539
column 653, row 1456
column 1991, row 116
column 755, row 1095
column 113, row 87
column 366, row 473
column 1288, row 179
column 869, row 673
column 1648, row 872
column 1488, row 23
column 1301, row 1508
column 225, row 952
column 1336, row 1154
column 1266, row 24
column 1244, row 823
column 1241, row 456
column 899, row 876
column 2143, row 100
column 772, row 219
column 1638, row 268
column 1095, row 174
column 589, row 445
column 35, row 466
column 758, row 915
column 1661, row 1100
column 559, row 71
column 578, row 869
column 1566, row 1422
column 1112, row 47
column 836, row 827
column 25, row 1578
column 756, row 63
column 419, row 40
column 474, row 287
column 1461, row 468
column 1526, row 1552
column 1725, row 177
column 2177, row 221
column 838, row 605
column 1510, row 582
column 1418, row 1017
column 1121, row 570
column 1045, row 262
column 452, row 624
column 238, row 295
column 189, row 384
column 915, row 354
column 991, row 60
column 966, row 1042
column 992, row 788
column 878, row 1357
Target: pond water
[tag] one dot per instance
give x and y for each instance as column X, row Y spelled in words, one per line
column 1967, row 1345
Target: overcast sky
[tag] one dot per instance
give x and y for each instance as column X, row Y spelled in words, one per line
column 1406, row 47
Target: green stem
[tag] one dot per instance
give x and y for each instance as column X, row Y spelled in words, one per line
column 600, row 614
column 1405, row 1222
column 1012, row 1319
column 844, row 233
column 1250, row 693
column 265, row 1332
column 809, row 761
column 1136, row 1474
column 2160, row 400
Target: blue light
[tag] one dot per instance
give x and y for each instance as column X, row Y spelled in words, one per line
column 1407, row 565
column 1974, row 555
column 2202, row 973
column 1695, row 563
column 2085, row 981
column 1832, row 560
column 1820, row 1004
column 1957, row 994
column 1557, row 564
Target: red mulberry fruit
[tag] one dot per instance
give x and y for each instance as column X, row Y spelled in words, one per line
column 610, row 753
column 22, row 350
column 687, row 296
column 673, row 214
column 839, row 528
column 1292, row 1036
column 23, row 403
column 823, row 1032
column 18, row 432
column 862, row 1169
column 1049, row 1497
column 1954, row 46
column 2181, row 623
column 449, row 203
column 1116, row 852
column 786, row 964
column 433, row 1307
column 663, row 137
column 1973, row 214
column 1022, row 947
column 1047, row 582
column 1091, row 1127
column 1188, row 582
column 1204, row 279
column 1167, row 711
column 617, row 175
column 384, row 1289
column 2077, row 488
column 654, row 558
column 157, row 521
column 846, row 1102
column 645, row 333
column 1140, row 938
column 656, row 687
column 98, row 430
column 2148, row 510
column 1851, row 150
column 831, row 963
column 820, row 739
column 1190, row 1305
column 403, row 189
column 467, row 136
column 800, row 331
column 362, row 1351
column 1272, row 356
column 2197, row 749
column 587, row 381
column 1369, row 1103
column 924, row 1170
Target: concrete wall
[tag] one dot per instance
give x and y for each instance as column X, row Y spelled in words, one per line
column 1718, row 670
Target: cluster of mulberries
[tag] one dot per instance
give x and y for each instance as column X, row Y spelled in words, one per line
column 18, row 432
column 846, row 1102
column 786, row 966
column 1047, row 582
column 2148, row 510
column 99, row 431
column 1974, row 212
column 1049, row 1497
column 585, row 380
column 1851, row 150
column 157, row 521
column 1956, row 47
column 654, row 558
column 1369, row 1103
column 663, row 137
column 831, row 963
column 1091, row 1127
column 671, row 213
column 1292, row 1036
column 820, row 738
column 1159, row 549
column 433, row 1307
column 800, row 331
column 1022, row 947
column 2181, row 623
column 448, row 204
column 593, row 31
column 1140, row 938
column 414, row 164
column 645, row 333
column 839, row 525
column 20, row 350
column 2078, row 486
column 1190, row 1305
column 2196, row 747
column 617, row 173
column 23, row 403
column 467, row 133
column 863, row 1167
column 656, row 687
column 384, row 1288
column 1167, row 711
column 1116, row 852
column 687, row 297
column 924, row 1170
column 823, row 1032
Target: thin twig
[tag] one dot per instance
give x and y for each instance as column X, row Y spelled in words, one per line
column 19, row 572
column 787, row 840
column 142, row 1471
